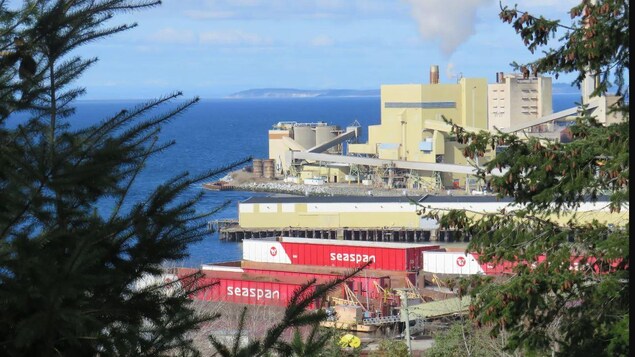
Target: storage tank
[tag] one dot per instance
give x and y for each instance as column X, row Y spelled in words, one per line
column 324, row 134
column 257, row 167
column 304, row 135
column 268, row 168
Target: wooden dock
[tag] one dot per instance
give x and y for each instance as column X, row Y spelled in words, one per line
column 232, row 232
column 218, row 186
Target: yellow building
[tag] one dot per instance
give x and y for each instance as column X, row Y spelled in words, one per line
column 386, row 212
column 412, row 126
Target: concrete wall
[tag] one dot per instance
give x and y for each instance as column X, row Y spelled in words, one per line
column 277, row 148
column 332, row 174
column 518, row 100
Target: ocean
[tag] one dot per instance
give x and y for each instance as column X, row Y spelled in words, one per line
column 219, row 131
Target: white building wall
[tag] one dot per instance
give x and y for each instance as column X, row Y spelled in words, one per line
column 518, row 100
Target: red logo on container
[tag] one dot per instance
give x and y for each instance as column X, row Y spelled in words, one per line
column 273, row 251
column 460, row 261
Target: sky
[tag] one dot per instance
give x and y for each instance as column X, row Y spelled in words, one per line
column 212, row 48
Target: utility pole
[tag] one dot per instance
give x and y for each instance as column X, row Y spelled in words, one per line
column 404, row 309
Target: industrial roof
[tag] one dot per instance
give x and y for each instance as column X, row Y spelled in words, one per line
column 375, row 199
column 434, row 309
column 353, row 243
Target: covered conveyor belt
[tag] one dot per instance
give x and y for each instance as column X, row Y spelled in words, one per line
column 551, row 117
column 336, row 140
column 412, row 165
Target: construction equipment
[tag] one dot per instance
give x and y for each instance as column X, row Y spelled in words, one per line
column 349, row 340
column 350, row 299
column 385, row 294
column 414, row 292
column 436, row 280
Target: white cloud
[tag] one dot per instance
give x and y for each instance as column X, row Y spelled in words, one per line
column 447, row 22
column 449, row 71
column 209, row 15
column 233, row 38
column 173, row 36
column 322, row 41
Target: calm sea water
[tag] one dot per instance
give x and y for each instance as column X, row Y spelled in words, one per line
column 219, row 131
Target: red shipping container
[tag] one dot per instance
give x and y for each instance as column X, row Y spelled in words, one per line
column 361, row 285
column 247, row 288
column 345, row 254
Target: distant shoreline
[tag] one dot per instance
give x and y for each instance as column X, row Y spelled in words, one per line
column 303, row 93
column 558, row 89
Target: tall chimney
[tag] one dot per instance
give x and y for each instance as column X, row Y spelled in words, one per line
column 434, row 74
column 499, row 77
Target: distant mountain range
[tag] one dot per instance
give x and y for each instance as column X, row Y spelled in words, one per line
column 557, row 88
column 303, row 93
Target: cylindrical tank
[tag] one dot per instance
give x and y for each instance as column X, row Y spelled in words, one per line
column 434, row 74
column 257, row 167
column 324, row 134
column 268, row 168
column 304, row 135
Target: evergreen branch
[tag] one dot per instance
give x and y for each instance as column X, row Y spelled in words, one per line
column 294, row 314
column 136, row 170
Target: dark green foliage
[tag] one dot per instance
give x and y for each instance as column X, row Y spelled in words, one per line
column 555, row 305
column 393, row 348
column 312, row 346
column 597, row 41
column 70, row 276
column 462, row 338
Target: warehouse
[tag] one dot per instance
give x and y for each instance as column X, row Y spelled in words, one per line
column 394, row 218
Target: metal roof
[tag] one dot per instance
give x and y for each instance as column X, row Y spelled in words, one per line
column 376, row 199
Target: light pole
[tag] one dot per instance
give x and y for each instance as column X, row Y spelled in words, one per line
column 473, row 104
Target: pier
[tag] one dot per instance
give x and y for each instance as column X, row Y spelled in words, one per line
column 230, row 231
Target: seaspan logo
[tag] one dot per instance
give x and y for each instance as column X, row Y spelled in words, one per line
column 273, row 251
column 253, row 292
column 460, row 261
column 352, row 257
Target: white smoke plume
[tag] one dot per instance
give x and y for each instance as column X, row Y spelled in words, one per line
column 448, row 22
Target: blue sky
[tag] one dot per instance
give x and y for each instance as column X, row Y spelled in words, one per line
column 212, row 48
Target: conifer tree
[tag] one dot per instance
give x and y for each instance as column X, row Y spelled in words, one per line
column 71, row 277
column 73, row 280
column 552, row 306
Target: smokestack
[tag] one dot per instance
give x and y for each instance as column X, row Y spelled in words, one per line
column 434, row 74
column 500, row 77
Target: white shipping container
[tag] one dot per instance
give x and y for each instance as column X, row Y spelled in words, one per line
column 314, row 181
column 265, row 251
column 292, row 179
column 451, row 263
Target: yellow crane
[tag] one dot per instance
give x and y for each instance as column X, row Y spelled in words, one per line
column 350, row 299
column 436, row 280
column 413, row 293
column 385, row 294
